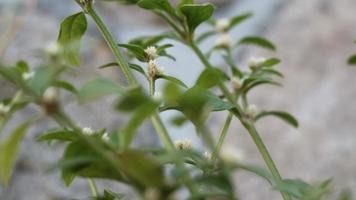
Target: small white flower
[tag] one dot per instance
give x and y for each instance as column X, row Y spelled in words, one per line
column 28, row 75
column 105, row 136
column 4, row 109
column 87, row 131
column 152, row 194
column 223, row 41
column 207, row 156
column 52, row 48
column 251, row 110
column 232, row 155
column 151, row 51
column 50, row 95
column 185, row 144
column 254, row 62
column 222, row 24
column 153, row 69
column 236, row 83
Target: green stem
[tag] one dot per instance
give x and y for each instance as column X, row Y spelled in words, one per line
column 93, row 187
column 249, row 126
column 223, row 135
column 113, row 46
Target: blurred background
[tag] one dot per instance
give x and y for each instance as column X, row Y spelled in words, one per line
column 313, row 37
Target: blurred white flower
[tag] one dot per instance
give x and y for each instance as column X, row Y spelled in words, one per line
column 236, row 83
column 158, row 96
column 105, row 136
column 207, row 156
column 251, row 111
column 232, row 155
column 185, row 144
column 223, row 41
column 28, row 75
column 4, row 109
column 153, row 69
column 256, row 62
column 151, row 51
column 222, row 24
column 50, row 95
column 87, row 131
column 52, row 48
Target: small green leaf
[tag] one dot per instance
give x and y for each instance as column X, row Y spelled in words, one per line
column 8, row 152
column 262, row 42
column 131, row 65
column 173, row 80
column 239, row 19
column 43, row 78
column 271, row 62
column 282, row 115
column 97, row 88
column 132, row 99
column 65, row 85
column 157, row 5
column 208, row 78
column 352, row 60
column 71, row 31
column 59, row 134
column 136, row 50
column 196, row 14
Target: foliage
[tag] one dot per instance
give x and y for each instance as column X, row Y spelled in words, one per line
column 158, row 172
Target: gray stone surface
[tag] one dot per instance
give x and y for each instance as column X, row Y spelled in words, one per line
column 314, row 38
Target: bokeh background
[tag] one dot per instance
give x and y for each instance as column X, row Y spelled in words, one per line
column 314, row 39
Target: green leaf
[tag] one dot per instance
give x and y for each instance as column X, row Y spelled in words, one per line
column 71, row 31
column 262, row 42
column 208, row 78
column 12, row 74
column 8, row 152
column 65, row 85
column 271, row 62
column 97, row 88
column 43, row 78
column 352, row 60
column 109, row 195
column 196, row 14
column 131, row 65
column 136, row 50
column 58, row 134
column 157, row 5
column 132, row 99
column 239, row 19
column 282, row 115
column 173, row 80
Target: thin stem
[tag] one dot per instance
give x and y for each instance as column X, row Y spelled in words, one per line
column 113, row 46
column 93, row 187
column 249, row 126
column 222, row 137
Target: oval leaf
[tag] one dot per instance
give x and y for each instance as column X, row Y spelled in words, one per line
column 196, row 14
column 262, row 42
column 280, row 114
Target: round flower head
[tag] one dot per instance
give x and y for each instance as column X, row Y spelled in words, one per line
column 4, row 109
column 87, row 131
column 251, row 111
column 53, row 48
column 222, row 25
column 151, row 52
column 50, row 95
column 232, row 155
column 223, row 41
column 254, row 62
column 236, row 83
column 183, row 144
column 28, row 75
column 153, row 69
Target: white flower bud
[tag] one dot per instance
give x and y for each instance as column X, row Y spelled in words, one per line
column 183, row 144
column 232, row 155
column 223, row 41
column 151, row 51
column 105, row 136
column 207, row 156
column 50, row 95
column 4, row 109
column 87, row 131
column 236, row 83
column 152, row 194
column 254, row 62
column 222, row 24
column 251, row 111
column 153, row 69
column 28, row 75
column 52, row 48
